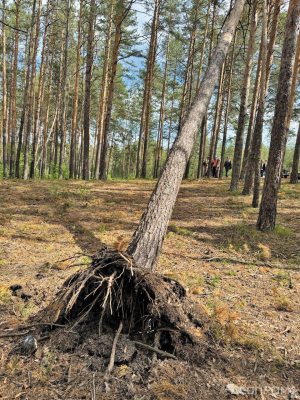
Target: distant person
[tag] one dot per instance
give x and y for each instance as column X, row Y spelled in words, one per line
column 205, row 166
column 227, row 166
column 261, row 168
column 214, row 165
column 265, row 167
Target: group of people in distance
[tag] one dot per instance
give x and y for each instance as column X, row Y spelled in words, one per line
column 215, row 166
column 263, row 168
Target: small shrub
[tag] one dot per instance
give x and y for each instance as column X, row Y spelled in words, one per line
column 265, row 253
column 180, row 231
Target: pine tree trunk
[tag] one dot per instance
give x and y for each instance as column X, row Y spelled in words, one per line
column 171, row 116
column 252, row 118
column 31, row 92
column 75, row 103
column 111, row 87
column 203, row 46
column 148, row 92
column 4, row 99
column 62, row 127
column 102, row 98
column 294, row 174
column 268, row 207
column 255, row 153
column 87, row 99
column 227, row 110
column 146, row 243
column 214, row 133
column 162, row 113
column 14, row 93
column 41, row 87
column 238, row 149
column 201, row 153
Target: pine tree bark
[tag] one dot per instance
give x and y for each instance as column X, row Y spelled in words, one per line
column 87, row 99
column 268, row 207
column 172, row 110
column 203, row 46
column 4, row 97
column 238, row 149
column 146, row 243
column 62, row 127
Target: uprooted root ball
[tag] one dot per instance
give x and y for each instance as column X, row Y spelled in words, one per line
column 113, row 289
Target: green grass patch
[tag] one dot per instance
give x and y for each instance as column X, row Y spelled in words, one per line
column 180, row 231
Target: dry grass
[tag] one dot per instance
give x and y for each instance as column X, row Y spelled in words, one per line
column 42, row 223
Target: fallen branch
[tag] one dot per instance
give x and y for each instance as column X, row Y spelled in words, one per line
column 162, row 353
column 13, row 334
column 113, row 351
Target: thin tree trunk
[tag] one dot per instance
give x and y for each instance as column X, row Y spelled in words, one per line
column 146, row 243
column 148, row 93
column 171, row 116
column 255, row 154
column 203, row 46
column 214, row 134
column 4, row 112
column 62, row 128
column 162, row 112
column 227, row 110
column 268, row 207
column 200, row 160
column 41, row 87
column 31, row 92
column 111, row 87
column 294, row 173
column 252, row 118
column 14, row 93
column 102, row 99
column 238, row 149
column 87, row 99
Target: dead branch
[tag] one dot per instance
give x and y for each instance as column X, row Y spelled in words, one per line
column 160, row 352
column 113, row 351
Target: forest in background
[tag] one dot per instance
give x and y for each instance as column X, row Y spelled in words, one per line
column 99, row 90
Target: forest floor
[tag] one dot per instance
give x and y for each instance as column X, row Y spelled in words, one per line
column 247, row 282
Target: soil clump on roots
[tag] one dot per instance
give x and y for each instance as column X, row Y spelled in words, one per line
column 113, row 291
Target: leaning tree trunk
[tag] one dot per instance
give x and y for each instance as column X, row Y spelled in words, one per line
column 268, row 207
column 238, row 149
column 146, row 243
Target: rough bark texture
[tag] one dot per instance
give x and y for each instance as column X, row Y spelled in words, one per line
column 238, row 149
column 87, row 99
column 268, row 207
column 146, row 243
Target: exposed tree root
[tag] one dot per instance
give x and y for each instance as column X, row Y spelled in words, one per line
column 113, row 290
